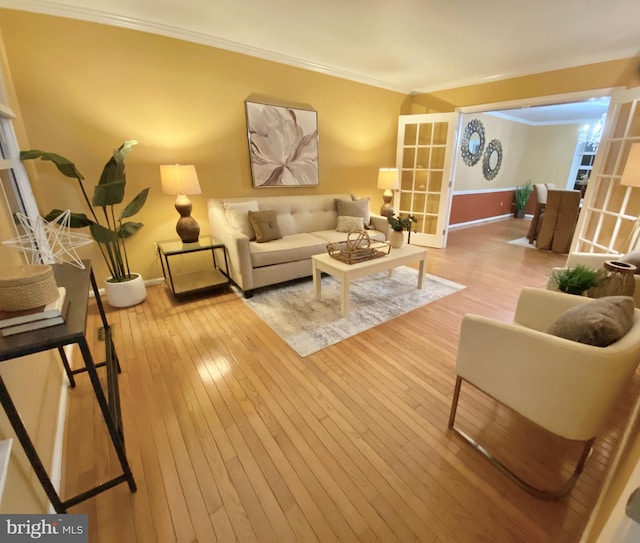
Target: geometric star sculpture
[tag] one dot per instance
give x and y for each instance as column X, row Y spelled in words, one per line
column 49, row 242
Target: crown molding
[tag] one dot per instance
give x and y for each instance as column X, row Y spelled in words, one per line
column 95, row 16
column 541, row 68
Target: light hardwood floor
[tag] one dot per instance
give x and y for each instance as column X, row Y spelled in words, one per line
column 232, row 436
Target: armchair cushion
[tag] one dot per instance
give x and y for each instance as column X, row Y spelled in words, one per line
column 600, row 322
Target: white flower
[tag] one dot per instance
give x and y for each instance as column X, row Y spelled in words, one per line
column 281, row 154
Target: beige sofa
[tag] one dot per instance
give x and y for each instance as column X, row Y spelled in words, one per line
column 307, row 225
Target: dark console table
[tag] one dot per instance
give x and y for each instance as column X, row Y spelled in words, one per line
column 77, row 283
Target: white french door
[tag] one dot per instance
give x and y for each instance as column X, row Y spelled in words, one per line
column 609, row 219
column 424, row 160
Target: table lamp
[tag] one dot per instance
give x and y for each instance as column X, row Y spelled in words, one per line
column 388, row 181
column 182, row 180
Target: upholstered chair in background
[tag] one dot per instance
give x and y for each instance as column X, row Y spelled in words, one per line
column 559, row 220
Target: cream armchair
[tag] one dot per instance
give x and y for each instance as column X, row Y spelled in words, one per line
column 566, row 387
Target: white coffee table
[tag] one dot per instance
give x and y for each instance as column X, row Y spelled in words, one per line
column 345, row 273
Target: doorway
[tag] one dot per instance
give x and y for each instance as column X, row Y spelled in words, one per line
column 541, row 140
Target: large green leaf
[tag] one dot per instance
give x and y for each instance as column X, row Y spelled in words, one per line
column 108, row 194
column 76, row 220
column 102, row 234
column 64, row 165
column 129, row 228
column 114, row 168
column 135, row 205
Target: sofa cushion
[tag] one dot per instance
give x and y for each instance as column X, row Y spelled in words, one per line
column 349, row 224
column 600, row 322
column 289, row 248
column 354, row 208
column 265, row 224
column 238, row 216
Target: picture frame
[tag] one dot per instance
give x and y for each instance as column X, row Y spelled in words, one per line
column 283, row 144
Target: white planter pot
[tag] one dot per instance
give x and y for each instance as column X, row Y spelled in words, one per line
column 127, row 293
column 396, row 239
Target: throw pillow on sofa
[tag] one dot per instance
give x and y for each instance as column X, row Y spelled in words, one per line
column 354, row 208
column 237, row 215
column 265, row 224
column 600, row 322
column 349, row 224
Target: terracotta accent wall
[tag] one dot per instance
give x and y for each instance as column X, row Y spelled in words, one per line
column 484, row 205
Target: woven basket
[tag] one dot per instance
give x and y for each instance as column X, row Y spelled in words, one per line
column 26, row 287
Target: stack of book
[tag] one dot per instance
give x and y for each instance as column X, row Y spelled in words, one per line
column 16, row 322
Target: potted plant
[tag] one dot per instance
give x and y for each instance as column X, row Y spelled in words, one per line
column 110, row 231
column 520, row 198
column 578, row 279
column 399, row 225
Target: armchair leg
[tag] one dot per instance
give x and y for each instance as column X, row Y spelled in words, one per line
column 537, row 492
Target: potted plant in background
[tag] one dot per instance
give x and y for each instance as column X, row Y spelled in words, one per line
column 520, row 198
column 123, row 288
column 398, row 226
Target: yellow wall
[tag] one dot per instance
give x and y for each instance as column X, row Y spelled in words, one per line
column 603, row 75
column 542, row 154
column 549, row 154
column 34, row 382
column 84, row 88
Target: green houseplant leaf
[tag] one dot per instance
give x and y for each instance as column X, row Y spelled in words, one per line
column 135, row 205
column 578, row 279
column 129, row 228
column 108, row 194
column 400, row 224
column 77, row 220
column 65, row 166
column 521, row 195
column 109, row 233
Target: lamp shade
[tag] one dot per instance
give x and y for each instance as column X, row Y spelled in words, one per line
column 388, row 179
column 631, row 172
column 179, row 179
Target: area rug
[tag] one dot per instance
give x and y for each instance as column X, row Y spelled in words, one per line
column 309, row 325
column 522, row 242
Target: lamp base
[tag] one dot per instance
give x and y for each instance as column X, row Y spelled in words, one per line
column 387, row 209
column 187, row 228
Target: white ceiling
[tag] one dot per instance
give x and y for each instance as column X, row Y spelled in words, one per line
column 404, row 45
column 579, row 112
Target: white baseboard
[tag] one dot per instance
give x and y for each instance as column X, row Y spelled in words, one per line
column 147, row 283
column 479, row 221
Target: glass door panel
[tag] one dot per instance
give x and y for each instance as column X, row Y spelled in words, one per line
column 425, row 145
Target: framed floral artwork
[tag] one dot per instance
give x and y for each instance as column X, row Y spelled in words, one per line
column 283, row 145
